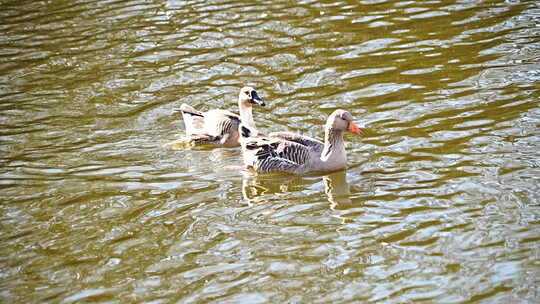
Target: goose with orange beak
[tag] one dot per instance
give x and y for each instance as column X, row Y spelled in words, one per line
column 299, row 154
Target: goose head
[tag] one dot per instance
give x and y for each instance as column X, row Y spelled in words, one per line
column 341, row 120
column 249, row 96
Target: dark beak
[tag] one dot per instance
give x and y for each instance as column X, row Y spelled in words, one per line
column 256, row 99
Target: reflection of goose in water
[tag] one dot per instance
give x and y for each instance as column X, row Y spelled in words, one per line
column 256, row 188
column 336, row 188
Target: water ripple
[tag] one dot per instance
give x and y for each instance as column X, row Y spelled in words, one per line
column 439, row 203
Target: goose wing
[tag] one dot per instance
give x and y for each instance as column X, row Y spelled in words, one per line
column 298, row 138
column 275, row 154
column 221, row 122
column 219, row 127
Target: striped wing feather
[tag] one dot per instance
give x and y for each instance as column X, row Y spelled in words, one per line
column 221, row 122
column 277, row 154
column 301, row 139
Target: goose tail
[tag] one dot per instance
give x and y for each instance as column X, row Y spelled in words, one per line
column 189, row 110
column 193, row 119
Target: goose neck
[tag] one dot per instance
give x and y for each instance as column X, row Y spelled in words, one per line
column 246, row 113
column 333, row 144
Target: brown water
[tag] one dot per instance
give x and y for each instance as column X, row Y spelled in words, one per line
column 440, row 203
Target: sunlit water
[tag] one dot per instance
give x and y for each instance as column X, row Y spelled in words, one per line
column 440, row 203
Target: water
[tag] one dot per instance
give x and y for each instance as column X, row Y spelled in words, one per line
column 439, row 204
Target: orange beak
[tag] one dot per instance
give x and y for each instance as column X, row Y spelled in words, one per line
column 353, row 128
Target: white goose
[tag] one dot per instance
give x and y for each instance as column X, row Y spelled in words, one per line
column 220, row 127
column 295, row 153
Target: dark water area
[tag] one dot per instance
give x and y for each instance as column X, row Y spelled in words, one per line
column 440, row 203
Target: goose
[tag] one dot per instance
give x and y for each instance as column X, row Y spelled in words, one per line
column 295, row 153
column 220, row 127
